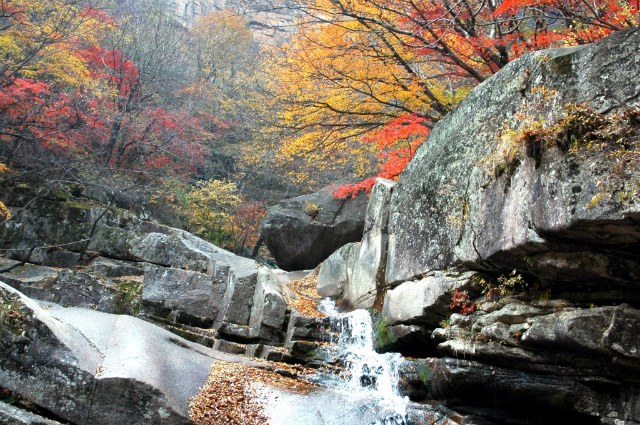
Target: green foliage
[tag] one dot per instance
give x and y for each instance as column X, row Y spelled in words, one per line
column 425, row 373
column 512, row 284
column 382, row 332
column 132, row 289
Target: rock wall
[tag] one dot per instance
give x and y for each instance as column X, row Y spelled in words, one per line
column 449, row 208
column 511, row 245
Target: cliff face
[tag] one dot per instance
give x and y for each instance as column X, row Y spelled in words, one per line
column 511, row 250
column 270, row 21
column 449, row 206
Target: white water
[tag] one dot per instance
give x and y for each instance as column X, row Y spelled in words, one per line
column 367, row 374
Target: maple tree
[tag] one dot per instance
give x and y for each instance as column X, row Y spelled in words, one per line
column 356, row 66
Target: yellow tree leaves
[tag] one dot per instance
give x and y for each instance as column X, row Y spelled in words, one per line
column 210, row 207
column 39, row 37
column 357, row 65
column 224, row 64
column 340, row 78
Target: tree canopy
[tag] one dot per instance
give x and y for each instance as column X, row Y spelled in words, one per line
column 357, row 67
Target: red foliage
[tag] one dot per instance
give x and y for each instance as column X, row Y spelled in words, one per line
column 472, row 43
column 112, row 66
column 247, row 220
column 460, row 299
column 397, row 143
column 30, row 110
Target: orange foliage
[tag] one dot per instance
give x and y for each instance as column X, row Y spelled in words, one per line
column 397, row 143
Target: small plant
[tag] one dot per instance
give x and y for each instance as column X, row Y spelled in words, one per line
column 460, row 300
column 425, row 373
column 514, row 283
column 311, row 209
column 446, row 322
column 383, row 335
column 546, row 295
column 11, row 318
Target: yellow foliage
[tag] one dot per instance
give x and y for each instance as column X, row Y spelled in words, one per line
column 4, row 212
column 339, row 78
column 38, row 39
column 209, row 209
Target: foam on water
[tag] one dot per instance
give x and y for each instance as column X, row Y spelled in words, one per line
column 366, row 372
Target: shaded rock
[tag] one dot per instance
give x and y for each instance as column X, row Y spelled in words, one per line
column 302, row 232
column 31, row 279
column 503, row 393
column 109, row 267
column 71, row 288
column 335, row 271
column 61, row 258
column 190, row 297
column 118, row 234
column 44, row 361
column 229, row 347
column 81, row 289
column 362, row 287
column 409, row 340
column 446, row 209
column 303, row 328
column 11, row 415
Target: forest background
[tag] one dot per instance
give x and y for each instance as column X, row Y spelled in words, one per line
column 203, row 125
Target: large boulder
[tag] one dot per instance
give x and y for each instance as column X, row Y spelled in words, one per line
column 368, row 270
column 301, row 232
column 466, row 198
column 355, row 272
column 88, row 367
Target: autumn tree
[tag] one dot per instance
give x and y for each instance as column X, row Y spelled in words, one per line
column 356, row 66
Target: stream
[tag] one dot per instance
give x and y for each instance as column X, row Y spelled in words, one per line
column 363, row 391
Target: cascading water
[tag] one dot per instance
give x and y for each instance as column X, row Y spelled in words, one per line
column 366, row 373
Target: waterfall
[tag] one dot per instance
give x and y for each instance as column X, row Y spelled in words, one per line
column 365, row 372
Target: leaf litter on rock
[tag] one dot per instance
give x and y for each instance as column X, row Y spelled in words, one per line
column 231, row 394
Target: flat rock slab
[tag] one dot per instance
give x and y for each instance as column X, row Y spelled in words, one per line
column 136, row 350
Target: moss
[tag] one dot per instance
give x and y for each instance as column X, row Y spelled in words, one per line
column 78, row 205
column 12, row 318
column 425, row 374
column 561, row 65
column 60, row 195
column 383, row 333
column 132, row 290
column 304, row 350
